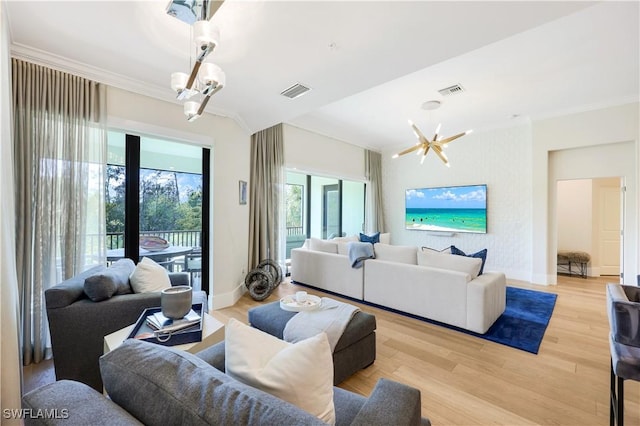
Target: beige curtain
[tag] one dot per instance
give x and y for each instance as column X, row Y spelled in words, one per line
column 266, row 197
column 60, row 153
column 374, row 221
column 10, row 381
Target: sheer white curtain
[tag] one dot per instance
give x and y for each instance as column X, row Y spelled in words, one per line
column 266, row 197
column 59, row 161
column 374, row 221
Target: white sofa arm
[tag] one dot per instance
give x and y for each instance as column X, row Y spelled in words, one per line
column 486, row 300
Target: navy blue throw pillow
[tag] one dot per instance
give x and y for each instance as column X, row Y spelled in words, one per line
column 482, row 254
column 374, row 238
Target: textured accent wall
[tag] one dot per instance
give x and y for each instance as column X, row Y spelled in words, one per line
column 501, row 159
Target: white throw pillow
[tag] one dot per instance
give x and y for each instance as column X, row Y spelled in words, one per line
column 300, row 373
column 149, row 277
column 323, row 245
column 446, row 250
column 400, row 254
column 385, row 238
column 346, row 239
column 468, row 265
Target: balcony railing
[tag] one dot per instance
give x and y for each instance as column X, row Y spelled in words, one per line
column 294, row 230
column 175, row 238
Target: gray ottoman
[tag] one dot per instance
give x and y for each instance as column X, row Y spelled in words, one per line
column 355, row 350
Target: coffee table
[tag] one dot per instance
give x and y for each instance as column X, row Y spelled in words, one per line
column 212, row 333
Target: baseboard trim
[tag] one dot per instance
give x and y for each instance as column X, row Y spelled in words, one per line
column 544, row 279
column 224, row 300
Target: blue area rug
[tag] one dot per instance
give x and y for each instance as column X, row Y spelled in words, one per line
column 524, row 321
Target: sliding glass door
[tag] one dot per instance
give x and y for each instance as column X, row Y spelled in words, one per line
column 322, row 207
column 156, row 203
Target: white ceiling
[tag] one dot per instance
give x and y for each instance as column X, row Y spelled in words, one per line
column 370, row 64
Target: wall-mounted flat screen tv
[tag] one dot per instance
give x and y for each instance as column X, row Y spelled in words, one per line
column 447, row 208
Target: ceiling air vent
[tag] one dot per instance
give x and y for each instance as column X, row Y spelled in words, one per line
column 295, row 91
column 451, row 90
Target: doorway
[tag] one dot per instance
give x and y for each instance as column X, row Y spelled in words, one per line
column 589, row 219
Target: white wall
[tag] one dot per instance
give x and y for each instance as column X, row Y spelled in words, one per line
column 592, row 144
column 323, row 156
column 575, row 218
column 230, row 148
column 499, row 158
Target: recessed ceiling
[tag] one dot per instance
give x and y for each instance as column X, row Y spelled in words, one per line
column 371, row 64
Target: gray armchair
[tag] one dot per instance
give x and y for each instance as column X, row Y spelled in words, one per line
column 78, row 325
column 623, row 309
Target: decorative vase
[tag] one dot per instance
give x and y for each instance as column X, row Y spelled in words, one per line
column 176, row 301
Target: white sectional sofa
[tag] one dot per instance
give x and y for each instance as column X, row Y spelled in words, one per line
column 442, row 287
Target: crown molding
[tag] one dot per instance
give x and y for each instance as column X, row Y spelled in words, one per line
column 60, row 63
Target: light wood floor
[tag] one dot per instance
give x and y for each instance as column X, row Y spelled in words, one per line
column 469, row 381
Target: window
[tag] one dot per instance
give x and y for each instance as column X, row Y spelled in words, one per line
column 294, row 209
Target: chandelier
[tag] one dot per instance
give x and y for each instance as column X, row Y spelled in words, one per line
column 206, row 78
column 424, row 145
column 437, row 144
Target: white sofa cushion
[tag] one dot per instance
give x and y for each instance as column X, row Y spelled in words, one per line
column 149, row 277
column 300, row 373
column 317, row 244
column 385, row 238
column 451, row 262
column 400, row 254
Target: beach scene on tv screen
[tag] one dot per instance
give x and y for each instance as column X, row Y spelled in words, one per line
column 452, row 209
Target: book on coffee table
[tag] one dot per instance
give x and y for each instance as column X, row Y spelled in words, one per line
column 161, row 323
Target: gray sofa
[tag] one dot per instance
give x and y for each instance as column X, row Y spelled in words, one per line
column 156, row 385
column 78, row 324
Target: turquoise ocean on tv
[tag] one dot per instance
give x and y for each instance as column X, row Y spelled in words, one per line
column 434, row 219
